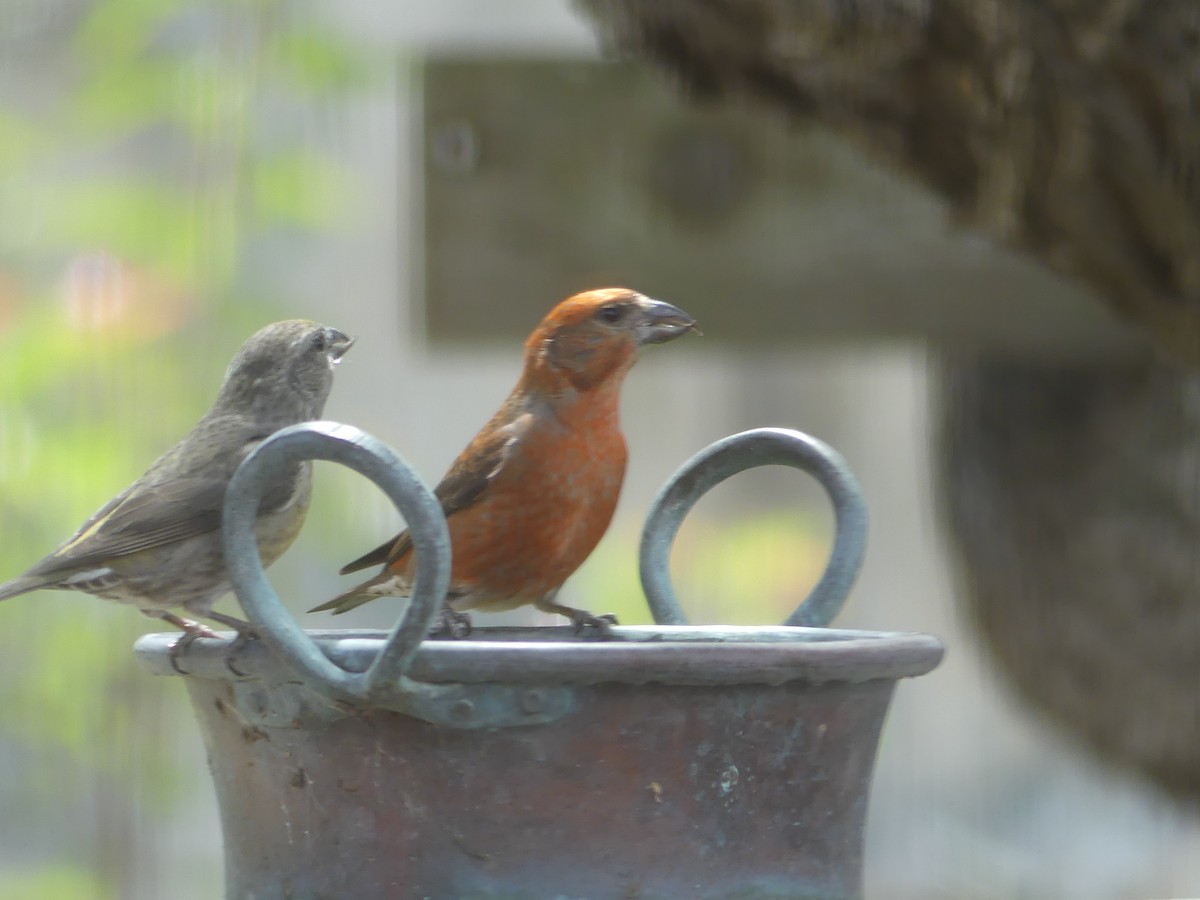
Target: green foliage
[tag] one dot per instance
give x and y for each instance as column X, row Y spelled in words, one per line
column 135, row 220
column 124, row 95
column 161, row 148
column 54, row 882
column 314, row 62
column 19, row 140
column 122, row 29
column 742, row 571
column 298, row 189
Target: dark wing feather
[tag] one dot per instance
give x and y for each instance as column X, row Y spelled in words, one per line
column 461, row 487
column 376, row 557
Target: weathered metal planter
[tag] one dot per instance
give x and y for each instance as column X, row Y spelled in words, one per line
column 667, row 762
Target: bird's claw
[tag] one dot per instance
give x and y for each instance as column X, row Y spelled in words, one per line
column 603, row 624
column 243, row 638
column 453, row 624
column 191, row 631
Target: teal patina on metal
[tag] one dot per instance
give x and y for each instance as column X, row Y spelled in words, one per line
column 668, row 761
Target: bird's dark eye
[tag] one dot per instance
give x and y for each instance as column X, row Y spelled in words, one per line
column 318, row 342
column 610, row 314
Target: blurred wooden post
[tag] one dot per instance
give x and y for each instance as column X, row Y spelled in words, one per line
column 547, row 177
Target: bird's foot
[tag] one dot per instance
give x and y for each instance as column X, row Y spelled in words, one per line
column 241, row 626
column 453, row 624
column 245, row 634
column 191, row 631
column 581, row 619
column 239, row 644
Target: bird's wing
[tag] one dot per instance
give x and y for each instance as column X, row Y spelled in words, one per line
column 155, row 512
column 462, row 487
column 478, row 465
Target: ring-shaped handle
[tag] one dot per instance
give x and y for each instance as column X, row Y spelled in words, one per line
column 728, row 457
column 426, row 523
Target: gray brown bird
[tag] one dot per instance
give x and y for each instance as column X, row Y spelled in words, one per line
column 157, row 544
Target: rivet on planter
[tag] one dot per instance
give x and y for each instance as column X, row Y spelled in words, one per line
column 462, row 710
column 532, row 702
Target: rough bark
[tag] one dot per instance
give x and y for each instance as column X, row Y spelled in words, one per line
column 1064, row 128
column 1074, row 497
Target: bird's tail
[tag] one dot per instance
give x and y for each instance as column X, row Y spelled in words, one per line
column 357, row 596
column 23, row 584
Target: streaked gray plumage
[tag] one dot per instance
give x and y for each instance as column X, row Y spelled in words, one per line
column 156, row 545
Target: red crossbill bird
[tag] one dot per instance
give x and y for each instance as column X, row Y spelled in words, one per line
column 532, row 494
column 157, row 544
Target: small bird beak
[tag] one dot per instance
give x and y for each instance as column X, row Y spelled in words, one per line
column 338, row 345
column 661, row 322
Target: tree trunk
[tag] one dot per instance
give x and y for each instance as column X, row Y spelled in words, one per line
column 1073, row 496
column 1064, row 128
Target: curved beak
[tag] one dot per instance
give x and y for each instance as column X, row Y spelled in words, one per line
column 661, row 322
column 338, row 344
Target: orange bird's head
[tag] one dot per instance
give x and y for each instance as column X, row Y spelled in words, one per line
column 593, row 338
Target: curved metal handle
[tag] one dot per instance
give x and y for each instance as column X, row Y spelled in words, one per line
column 370, row 457
column 734, row 454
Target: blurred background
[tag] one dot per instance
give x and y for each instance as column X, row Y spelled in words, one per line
column 175, row 175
